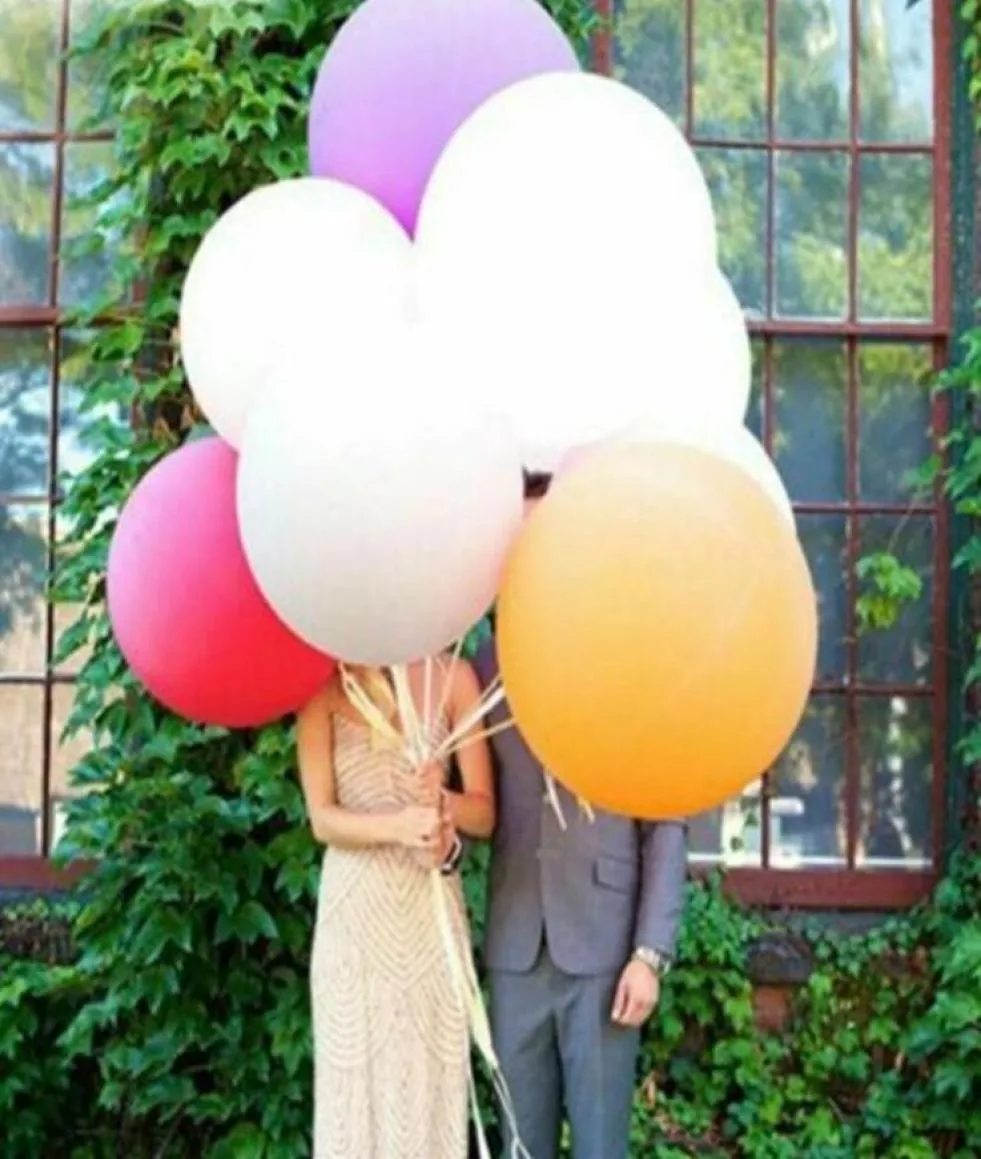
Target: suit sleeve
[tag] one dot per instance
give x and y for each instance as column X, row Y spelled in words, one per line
column 664, row 862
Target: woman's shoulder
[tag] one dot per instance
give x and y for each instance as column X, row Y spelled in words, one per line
column 332, row 694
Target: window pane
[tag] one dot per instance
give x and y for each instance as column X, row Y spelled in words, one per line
column 904, row 653
column 23, row 571
column 77, row 448
column 25, row 406
column 896, row 739
column 30, row 33
column 807, row 810
column 64, row 756
column 729, row 58
column 729, row 835
column 649, row 49
column 894, row 419
column 895, row 238
column 87, row 165
column 77, row 442
column 809, row 392
column 86, row 82
column 738, row 181
column 824, row 539
column 896, row 71
column 811, row 240
column 21, row 759
column 26, row 184
column 813, row 87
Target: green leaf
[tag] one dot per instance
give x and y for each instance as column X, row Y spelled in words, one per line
column 248, row 923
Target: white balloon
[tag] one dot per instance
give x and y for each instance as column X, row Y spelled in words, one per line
column 695, row 370
column 553, row 237
column 738, row 446
column 377, row 520
column 701, row 369
column 291, row 264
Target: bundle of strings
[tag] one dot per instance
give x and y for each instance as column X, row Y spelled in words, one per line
column 386, row 703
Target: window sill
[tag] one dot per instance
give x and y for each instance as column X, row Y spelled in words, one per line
column 834, row 889
column 797, row 889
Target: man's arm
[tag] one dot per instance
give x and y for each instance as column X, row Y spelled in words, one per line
column 659, row 909
column 664, row 861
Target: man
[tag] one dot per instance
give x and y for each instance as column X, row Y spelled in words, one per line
column 583, row 915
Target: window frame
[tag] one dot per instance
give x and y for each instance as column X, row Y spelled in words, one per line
column 37, row 872
column 849, row 886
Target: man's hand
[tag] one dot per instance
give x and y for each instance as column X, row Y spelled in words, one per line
column 637, row 995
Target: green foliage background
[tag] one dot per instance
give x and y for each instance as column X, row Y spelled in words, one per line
column 180, row 1027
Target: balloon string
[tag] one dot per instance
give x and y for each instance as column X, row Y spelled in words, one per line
column 464, row 729
column 551, row 790
column 415, row 738
column 427, row 694
column 373, row 716
column 467, row 986
column 444, row 697
column 553, row 799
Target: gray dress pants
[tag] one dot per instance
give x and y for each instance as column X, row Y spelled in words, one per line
column 562, row 1055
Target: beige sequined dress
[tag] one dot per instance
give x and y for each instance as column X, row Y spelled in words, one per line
column 391, row 1042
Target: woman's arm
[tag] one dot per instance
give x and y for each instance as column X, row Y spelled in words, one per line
column 416, row 827
column 473, row 811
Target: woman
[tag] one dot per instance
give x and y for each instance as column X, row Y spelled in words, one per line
column 391, row 1039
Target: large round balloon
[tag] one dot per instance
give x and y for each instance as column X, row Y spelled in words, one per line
column 562, row 225
column 701, row 370
column 657, row 631
column 377, row 519
column 737, row 445
column 695, row 378
column 402, row 75
column 290, row 264
column 185, row 610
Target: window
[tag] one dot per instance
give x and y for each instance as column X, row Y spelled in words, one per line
column 824, row 136
column 823, row 128
column 44, row 161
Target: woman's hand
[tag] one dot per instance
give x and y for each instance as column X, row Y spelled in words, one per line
column 417, row 827
column 436, row 854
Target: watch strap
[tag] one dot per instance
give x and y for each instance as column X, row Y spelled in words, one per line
column 453, row 858
column 658, row 962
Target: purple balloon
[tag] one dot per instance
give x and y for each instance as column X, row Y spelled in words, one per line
column 402, row 75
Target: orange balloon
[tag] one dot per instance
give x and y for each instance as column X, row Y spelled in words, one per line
column 657, row 630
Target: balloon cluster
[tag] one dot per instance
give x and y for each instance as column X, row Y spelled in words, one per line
column 497, row 262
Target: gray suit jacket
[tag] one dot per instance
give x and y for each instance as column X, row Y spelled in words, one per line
column 595, row 891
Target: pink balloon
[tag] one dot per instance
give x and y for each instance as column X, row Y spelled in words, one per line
column 401, row 76
column 185, row 609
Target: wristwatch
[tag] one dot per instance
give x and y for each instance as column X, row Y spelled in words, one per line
column 659, row 963
column 453, row 858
